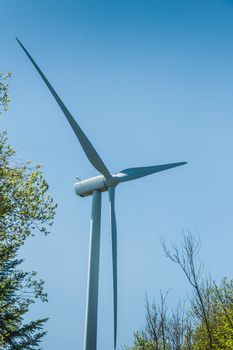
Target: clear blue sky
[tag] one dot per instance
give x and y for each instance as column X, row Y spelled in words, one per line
column 150, row 82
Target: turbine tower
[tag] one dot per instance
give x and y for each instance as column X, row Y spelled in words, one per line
column 94, row 187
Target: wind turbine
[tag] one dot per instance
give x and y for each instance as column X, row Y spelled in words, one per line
column 94, row 187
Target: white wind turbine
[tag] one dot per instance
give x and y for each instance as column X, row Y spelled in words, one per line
column 95, row 186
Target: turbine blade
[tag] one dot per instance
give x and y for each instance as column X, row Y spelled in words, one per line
column 88, row 148
column 136, row 173
column 111, row 193
column 90, row 336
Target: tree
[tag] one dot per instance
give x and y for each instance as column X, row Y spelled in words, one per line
column 211, row 305
column 4, row 99
column 220, row 318
column 164, row 330
column 186, row 258
column 207, row 324
column 25, row 207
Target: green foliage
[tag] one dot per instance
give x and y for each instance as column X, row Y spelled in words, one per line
column 184, row 330
column 4, row 99
column 220, row 319
column 207, row 324
column 141, row 342
column 24, row 208
column 24, row 204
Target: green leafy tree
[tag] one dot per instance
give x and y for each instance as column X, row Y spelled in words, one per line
column 207, row 324
column 4, row 99
column 25, row 207
column 220, row 318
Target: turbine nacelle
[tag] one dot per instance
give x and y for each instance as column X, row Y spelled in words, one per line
column 86, row 187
